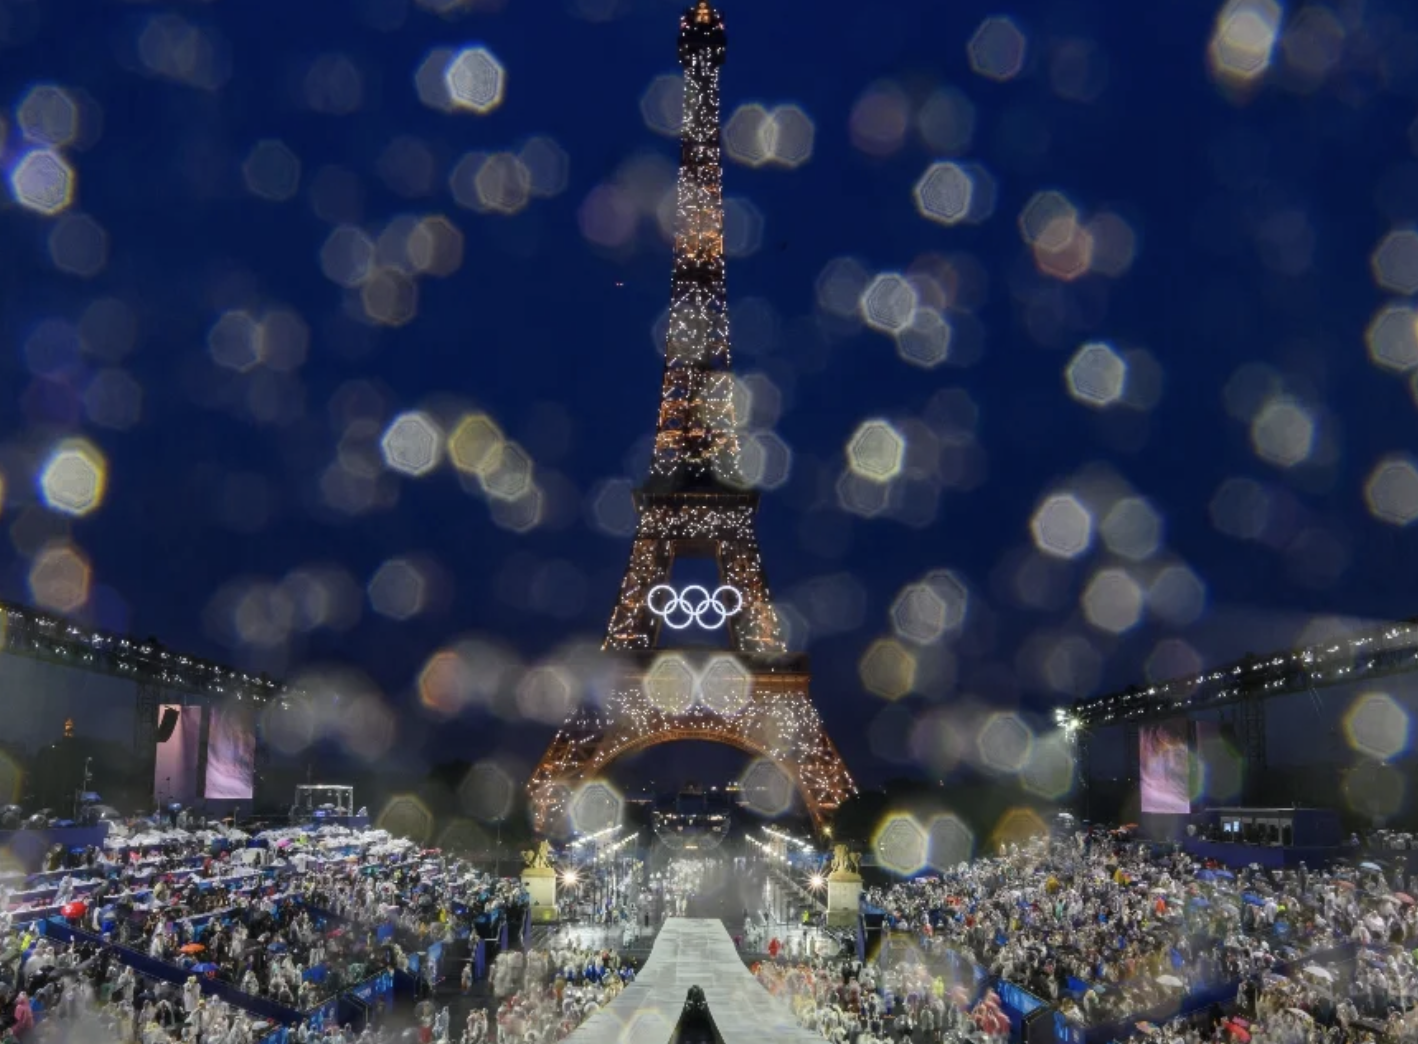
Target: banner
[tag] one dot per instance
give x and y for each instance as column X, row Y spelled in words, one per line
column 175, row 769
column 231, row 754
column 1165, row 767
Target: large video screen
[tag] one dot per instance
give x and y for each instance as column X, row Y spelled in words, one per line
column 175, row 775
column 1165, row 767
column 231, row 754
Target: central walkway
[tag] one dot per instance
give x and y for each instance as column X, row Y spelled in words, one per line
column 693, row 952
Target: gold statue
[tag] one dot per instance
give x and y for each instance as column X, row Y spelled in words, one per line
column 845, row 861
column 539, row 859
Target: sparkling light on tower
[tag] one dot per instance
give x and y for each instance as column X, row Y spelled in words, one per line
column 696, row 503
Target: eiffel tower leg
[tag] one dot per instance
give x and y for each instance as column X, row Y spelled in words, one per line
column 756, row 628
column 632, row 624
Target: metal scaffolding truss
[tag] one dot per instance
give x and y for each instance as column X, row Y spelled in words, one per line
column 1360, row 656
column 54, row 639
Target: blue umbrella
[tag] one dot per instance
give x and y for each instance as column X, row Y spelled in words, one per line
column 204, row 967
column 1253, row 899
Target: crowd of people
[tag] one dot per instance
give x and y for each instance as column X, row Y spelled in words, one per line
column 319, row 912
column 1116, row 933
column 1119, row 937
column 546, row 993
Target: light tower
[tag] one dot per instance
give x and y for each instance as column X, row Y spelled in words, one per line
column 696, row 503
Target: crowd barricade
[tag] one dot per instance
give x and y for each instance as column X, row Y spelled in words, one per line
column 371, row 995
column 1018, row 1004
column 435, row 963
column 156, row 969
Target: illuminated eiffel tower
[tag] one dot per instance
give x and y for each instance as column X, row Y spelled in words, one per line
column 695, row 503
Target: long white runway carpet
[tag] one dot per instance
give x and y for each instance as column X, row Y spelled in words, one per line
column 693, row 952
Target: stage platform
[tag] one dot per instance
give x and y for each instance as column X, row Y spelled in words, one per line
column 693, row 952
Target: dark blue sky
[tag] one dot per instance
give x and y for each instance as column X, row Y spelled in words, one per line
column 1255, row 213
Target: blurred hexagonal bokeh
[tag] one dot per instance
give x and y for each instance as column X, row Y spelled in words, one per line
column 1376, row 725
column 1062, row 526
column 888, row 669
column 74, row 478
column 1096, row 375
column 596, row 807
column 1005, row 742
column 1050, row 768
column 726, row 685
column 949, row 841
column 1017, row 826
column 406, row 815
column 488, row 792
column 766, row 789
column 670, row 684
column 1391, row 491
column 876, row 451
column 902, row 845
column 475, row 80
column 997, row 50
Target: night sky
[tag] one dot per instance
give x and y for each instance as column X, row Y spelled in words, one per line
column 1198, row 194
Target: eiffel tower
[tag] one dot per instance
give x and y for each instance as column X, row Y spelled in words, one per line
column 696, row 503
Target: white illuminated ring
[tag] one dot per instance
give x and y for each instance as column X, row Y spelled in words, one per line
column 694, row 605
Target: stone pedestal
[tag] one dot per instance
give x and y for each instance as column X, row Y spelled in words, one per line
column 540, row 883
column 844, row 893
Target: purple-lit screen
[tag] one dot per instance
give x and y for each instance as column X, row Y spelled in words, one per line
column 175, row 777
column 231, row 754
column 1166, row 768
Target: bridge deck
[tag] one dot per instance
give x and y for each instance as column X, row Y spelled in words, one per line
column 693, row 952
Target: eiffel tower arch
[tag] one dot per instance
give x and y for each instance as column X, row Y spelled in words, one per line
column 695, row 503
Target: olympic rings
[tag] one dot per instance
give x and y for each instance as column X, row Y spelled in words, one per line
column 694, row 605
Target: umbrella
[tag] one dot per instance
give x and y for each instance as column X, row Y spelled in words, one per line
column 1404, row 898
column 1317, row 972
column 1371, row 866
column 1169, row 980
column 75, row 909
column 1239, row 1032
column 205, row 968
column 192, row 948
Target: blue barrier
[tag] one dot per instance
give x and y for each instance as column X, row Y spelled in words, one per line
column 1017, row 1004
column 155, row 969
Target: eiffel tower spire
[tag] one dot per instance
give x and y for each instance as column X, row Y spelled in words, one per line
column 696, row 441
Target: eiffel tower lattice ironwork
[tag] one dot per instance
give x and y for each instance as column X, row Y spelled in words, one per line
column 696, row 503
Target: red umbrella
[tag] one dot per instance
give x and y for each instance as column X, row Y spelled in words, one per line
column 1404, row 898
column 1238, row 1032
column 75, row 909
